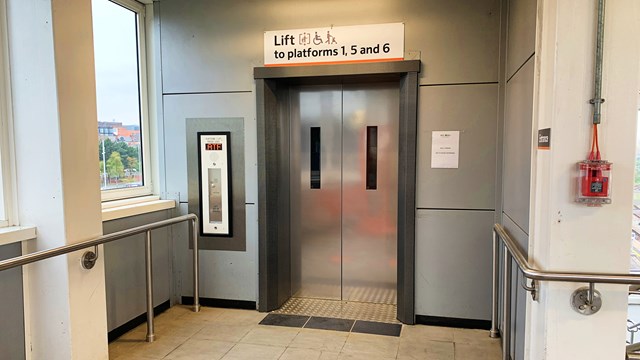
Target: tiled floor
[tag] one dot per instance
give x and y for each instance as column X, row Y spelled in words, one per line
column 231, row 334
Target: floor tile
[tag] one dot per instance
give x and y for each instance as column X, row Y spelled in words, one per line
column 384, row 346
column 195, row 349
column 489, row 351
column 270, row 335
column 254, row 352
column 158, row 349
column 470, row 336
column 360, row 356
column 425, row 350
column 376, row 328
column 425, row 332
column 223, row 332
column 285, row 320
column 329, row 324
column 239, row 317
column 332, row 341
column 298, row 354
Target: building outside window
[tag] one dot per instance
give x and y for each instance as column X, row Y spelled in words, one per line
column 120, row 63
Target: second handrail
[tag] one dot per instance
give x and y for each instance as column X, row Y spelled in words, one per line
column 66, row 249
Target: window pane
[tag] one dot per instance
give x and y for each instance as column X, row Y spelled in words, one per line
column 115, row 37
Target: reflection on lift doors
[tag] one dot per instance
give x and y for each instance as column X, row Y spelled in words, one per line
column 344, row 161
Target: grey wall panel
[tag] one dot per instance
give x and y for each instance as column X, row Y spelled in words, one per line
column 453, row 263
column 517, row 145
column 177, row 108
column 521, row 37
column 229, row 275
column 212, row 46
column 471, row 109
column 125, row 268
column 12, row 343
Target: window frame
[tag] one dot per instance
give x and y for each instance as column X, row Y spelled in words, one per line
column 8, row 200
column 143, row 85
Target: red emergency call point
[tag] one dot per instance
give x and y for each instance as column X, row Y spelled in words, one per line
column 594, row 182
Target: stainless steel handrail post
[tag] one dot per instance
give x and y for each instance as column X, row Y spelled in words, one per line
column 196, row 266
column 506, row 307
column 149, row 274
column 495, row 332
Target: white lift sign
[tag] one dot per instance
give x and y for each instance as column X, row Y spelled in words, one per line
column 334, row 45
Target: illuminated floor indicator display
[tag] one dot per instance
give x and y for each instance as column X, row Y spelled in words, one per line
column 215, row 183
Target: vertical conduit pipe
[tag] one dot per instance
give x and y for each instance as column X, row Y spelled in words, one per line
column 506, row 307
column 597, row 98
column 148, row 266
column 196, row 266
column 495, row 332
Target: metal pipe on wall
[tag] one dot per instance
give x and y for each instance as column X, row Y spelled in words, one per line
column 597, row 98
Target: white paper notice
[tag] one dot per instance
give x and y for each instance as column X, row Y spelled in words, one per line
column 445, row 146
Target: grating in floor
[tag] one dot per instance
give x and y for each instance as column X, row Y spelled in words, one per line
column 385, row 313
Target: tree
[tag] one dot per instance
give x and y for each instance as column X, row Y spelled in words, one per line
column 115, row 169
column 133, row 163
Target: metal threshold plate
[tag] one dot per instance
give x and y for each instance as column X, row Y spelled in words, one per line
column 385, row 313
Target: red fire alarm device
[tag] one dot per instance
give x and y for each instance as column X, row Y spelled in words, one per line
column 594, row 182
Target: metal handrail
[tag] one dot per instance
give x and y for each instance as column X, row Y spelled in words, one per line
column 513, row 252
column 89, row 258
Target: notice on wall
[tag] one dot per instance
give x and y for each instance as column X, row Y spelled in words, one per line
column 334, row 45
column 445, row 149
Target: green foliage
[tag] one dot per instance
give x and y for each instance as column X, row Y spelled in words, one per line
column 115, row 168
column 120, row 147
column 133, row 163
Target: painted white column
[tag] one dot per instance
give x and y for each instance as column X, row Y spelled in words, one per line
column 53, row 89
column 566, row 235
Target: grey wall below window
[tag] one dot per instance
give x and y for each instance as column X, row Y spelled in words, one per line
column 125, row 268
column 12, row 345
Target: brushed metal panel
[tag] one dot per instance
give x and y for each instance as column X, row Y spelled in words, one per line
column 369, row 217
column 453, row 263
column 316, row 213
column 521, row 33
column 472, row 110
column 517, row 146
column 211, row 46
column 12, row 341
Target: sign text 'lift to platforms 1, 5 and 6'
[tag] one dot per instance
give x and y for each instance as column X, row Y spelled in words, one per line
column 334, row 45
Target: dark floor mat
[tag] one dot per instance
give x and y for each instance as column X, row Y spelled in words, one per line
column 329, row 324
column 376, row 328
column 284, row 320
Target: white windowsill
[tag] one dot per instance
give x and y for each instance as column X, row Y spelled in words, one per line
column 14, row 234
column 119, row 209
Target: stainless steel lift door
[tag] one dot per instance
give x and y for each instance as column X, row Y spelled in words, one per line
column 344, row 155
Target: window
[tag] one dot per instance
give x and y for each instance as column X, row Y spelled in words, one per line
column 121, row 93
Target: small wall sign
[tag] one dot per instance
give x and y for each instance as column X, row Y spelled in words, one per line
column 544, row 139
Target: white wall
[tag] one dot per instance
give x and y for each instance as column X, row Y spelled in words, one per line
column 53, row 92
column 566, row 235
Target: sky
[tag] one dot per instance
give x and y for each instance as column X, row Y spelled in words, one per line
column 114, row 29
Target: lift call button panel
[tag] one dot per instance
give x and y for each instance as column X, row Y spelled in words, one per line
column 215, row 184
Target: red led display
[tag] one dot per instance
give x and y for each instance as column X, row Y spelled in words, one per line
column 213, row 146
